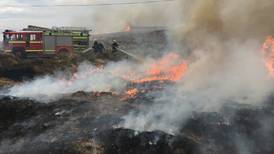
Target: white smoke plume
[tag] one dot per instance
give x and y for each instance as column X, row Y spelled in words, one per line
column 88, row 78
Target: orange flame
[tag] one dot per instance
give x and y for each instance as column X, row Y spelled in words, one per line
column 169, row 68
column 127, row 28
column 132, row 92
column 268, row 52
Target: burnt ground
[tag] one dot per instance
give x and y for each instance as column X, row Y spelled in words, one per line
column 32, row 127
column 85, row 123
column 239, row 129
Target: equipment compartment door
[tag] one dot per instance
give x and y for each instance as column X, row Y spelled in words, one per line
column 64, row 41
column 49, row 44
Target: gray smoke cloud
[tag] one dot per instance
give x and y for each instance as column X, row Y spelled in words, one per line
column 222, row 41
column 227, row 18
column 206, row 87
column 115, row 18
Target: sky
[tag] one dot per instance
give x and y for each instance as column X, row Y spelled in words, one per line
column 17, row 18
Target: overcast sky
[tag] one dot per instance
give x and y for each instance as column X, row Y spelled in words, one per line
column 19, row 17
column 101, row 19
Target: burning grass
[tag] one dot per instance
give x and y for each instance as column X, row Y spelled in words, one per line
column 123, row 78
column 268, row 52
column 170, row 68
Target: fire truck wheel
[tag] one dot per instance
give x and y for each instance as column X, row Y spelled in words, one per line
column 19, row 52
column 64, row 52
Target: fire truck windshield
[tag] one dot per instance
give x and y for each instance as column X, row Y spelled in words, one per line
column 6, row 37
column 14, row 37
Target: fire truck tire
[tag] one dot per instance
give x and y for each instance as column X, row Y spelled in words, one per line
column 63, row 52
column 19, row 52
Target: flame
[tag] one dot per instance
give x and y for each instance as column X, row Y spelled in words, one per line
column 131, row 93
column 127, row 28
column 169, row 68
column 268, row 52
column 171, row 71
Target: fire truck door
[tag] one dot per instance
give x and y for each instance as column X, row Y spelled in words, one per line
column 28, row 40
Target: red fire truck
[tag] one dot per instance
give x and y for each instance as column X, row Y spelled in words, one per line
column 23, row 43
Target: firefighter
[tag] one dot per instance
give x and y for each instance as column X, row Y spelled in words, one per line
column 114, row 46
column 95, row 46
column 101, row 47
column 98, row 47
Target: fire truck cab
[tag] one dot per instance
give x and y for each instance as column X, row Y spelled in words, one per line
column 19, row 43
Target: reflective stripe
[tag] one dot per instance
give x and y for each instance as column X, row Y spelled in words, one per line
column 16, row 42
column 81, row 46
column 50, row 50
column 36, row 41
column 33, row 50
column 25, row 41
column 26, row 50
column 80, row 37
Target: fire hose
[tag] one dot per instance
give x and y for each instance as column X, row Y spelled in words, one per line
column 130, row 54
column 123, row 51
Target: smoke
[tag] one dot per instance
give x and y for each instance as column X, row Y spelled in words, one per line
column 189, row 18
column 88, row 78
column 228, row 19
column 208, row 85
column 121, row 15
column 225, row 38
column 114, row 77
column 222, row 40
